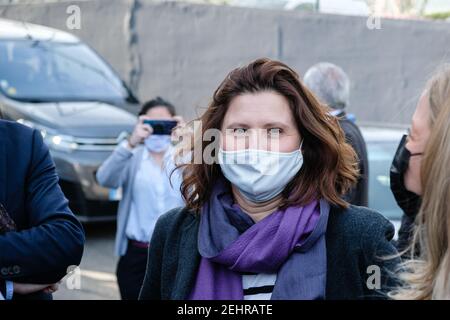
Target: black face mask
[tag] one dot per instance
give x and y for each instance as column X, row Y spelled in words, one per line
column 408, row 201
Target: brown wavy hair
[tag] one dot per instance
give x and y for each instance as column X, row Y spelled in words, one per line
column 330, row 164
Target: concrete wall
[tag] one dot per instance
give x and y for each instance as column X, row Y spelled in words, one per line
column 182, row 51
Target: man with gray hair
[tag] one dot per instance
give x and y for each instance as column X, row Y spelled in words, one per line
column 332, row 86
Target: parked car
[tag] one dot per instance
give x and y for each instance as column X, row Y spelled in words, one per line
column 382, row 143
column 52, row 81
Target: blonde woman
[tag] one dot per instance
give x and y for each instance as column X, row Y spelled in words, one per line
column 426, row 276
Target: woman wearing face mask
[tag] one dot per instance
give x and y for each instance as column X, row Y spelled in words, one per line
column 141, row 166
column 423, row 163
column 268, row 221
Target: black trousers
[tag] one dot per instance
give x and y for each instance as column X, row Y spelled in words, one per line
column 131, row 271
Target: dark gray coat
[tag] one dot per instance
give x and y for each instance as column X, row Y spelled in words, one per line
column 355, row 238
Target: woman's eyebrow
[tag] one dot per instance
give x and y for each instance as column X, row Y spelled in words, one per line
column 237, row 125
column 274, row 125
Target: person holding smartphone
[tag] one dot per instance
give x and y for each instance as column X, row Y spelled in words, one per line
column 142, row 166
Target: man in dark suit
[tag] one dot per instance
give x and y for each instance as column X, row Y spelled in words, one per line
column 332, row 86
column 47, row 238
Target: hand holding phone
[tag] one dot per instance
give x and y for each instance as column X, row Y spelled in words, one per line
column 140, row 133
column 161, row 127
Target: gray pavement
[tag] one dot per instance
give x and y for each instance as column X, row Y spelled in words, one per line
column 97, row 268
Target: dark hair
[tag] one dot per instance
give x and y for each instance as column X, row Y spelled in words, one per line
column 330, row 166
column 157, row 102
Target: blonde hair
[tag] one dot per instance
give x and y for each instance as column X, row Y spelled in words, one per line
column 427, row 276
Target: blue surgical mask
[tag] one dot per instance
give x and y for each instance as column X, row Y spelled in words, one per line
column 258, row 174
column 157, row 143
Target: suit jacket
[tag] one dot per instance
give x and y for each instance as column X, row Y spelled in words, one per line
column 49, row 238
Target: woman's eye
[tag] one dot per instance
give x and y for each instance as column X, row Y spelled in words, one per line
column 239, row 131
column 274, row 132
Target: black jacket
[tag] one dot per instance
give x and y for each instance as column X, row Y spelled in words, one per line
column 360, row 193
column 49, row 238
column 356, row 238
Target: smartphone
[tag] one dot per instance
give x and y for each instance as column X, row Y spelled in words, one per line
column 162, row 127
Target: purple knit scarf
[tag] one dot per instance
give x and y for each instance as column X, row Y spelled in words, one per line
column 288, row 242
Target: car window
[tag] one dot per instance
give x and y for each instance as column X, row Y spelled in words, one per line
column 51, row 71
column 380, row 156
